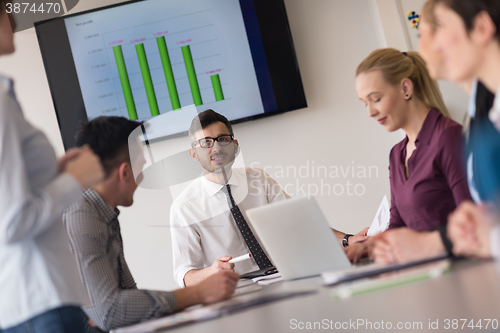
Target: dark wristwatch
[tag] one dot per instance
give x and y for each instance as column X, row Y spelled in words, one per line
column 344, row 240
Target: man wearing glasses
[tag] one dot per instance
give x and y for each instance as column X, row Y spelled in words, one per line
column 208, row 219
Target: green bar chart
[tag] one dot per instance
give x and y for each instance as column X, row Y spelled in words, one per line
column 169, row 74
column 161, row 61
column 219, row 95
column 125, row 82
column 154, row 91
column 191, row 73
column 148, row 82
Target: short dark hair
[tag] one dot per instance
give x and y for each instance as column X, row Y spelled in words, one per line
column 469, row 9
column 207, row 118
column 108, row 138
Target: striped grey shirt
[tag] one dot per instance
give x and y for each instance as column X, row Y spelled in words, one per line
column 96, row 242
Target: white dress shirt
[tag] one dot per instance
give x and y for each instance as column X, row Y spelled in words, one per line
column 203, row 228
column 38, row 272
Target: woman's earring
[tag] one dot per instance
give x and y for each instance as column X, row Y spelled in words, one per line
column 408, row 97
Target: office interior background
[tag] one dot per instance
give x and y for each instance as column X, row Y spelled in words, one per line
column 331, row 38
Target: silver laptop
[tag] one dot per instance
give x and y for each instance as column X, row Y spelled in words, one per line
column 297, row 237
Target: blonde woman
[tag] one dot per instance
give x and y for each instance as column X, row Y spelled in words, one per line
column 403, row 244
column 427, row 175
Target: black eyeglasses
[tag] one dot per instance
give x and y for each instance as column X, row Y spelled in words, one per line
column 209, row 142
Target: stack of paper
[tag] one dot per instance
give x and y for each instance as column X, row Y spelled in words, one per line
column 244, row 283
column 268, row 279
column 247, row 289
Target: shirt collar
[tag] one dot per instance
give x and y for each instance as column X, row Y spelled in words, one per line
column 7, row 85
column 425, row 134
column 212, row 188
column 100, row 205
column 494, row 114
column 471, row 108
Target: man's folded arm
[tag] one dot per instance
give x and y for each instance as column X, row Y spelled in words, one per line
column 113, row 305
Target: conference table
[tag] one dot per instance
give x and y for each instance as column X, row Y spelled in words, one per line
column 464, row 299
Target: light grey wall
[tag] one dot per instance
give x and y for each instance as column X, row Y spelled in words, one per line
column 331, row 37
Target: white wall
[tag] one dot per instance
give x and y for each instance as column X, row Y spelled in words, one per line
column 399, row 34
column 331, row 37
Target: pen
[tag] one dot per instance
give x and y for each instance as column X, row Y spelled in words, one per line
column 241, row 258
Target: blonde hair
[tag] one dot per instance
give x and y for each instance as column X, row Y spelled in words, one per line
column 397, row 66
column 428, row 14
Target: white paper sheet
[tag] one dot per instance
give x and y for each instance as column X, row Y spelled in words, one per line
column 268, row 282
column 381, row 220
column 267, row 277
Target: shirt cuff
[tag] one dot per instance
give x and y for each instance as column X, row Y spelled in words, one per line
column 181, row 273
column 495, row 242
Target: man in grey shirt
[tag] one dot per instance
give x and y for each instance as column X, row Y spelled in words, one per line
column 95, row 240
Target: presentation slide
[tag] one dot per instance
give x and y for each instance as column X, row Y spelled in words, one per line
column 151, row 57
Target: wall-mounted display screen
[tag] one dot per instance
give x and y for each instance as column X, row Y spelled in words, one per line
column 140, row 59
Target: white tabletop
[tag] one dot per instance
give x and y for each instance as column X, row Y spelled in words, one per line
column 470, row 291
